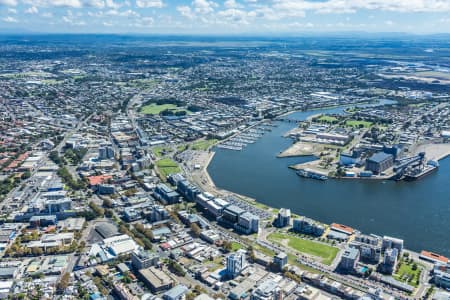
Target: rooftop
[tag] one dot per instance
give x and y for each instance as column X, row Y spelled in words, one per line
column 379, row 157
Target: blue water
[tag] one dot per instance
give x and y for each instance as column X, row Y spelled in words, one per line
column 418, row 212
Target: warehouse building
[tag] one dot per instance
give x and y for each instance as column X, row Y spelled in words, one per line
column 379, row 162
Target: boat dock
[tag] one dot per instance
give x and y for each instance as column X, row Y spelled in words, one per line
column 249, row 136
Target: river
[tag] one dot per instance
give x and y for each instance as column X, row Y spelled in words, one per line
column 418, row 212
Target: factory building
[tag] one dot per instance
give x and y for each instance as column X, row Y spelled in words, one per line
column 379, row 162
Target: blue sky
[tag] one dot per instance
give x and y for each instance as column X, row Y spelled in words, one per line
column 225, row 16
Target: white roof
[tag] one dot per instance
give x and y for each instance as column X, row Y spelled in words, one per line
column 124, row 247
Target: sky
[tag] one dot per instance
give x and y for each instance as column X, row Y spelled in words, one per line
column 225, row 16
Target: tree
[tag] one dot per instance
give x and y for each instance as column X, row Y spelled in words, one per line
column 109, row 213
column 63, row 283
column 26, row 175
column 176, row 268
column 97, row 210
column 227, row 246
column 107, row 203
column 36, row 251
column 414, row 266
column 196, row 230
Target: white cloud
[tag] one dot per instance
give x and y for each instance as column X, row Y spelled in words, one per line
column 149, row 3
column 233, row 16
column 112, row 4
column 54, row 3
column 10, row 19
column 204, row 6
column 185, row 11
column 126, row 13
column 351, row 6
column 232, row 4
column 95, row 3
column 8, row 2
column 32, row 10
column 69, row 19
column 144, row 22
column 66, row 3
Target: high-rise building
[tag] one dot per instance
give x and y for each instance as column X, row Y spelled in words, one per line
column 349, row 259
column 280, row 260
column 390, row 242
column 236, row 262
column 308, row 226
column 283, row 218
column 389, row 261
column 247, row 223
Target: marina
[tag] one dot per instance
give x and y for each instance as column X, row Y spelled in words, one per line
column 241, row 140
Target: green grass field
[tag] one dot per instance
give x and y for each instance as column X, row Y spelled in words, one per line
column 155, row 109
column 235, row 246
column 203, row 144
column 182, row 148
column 160, row 151
column 406, row 273
column 327, row 119
column 355, row 123
column 166, row 166
column 327, row 253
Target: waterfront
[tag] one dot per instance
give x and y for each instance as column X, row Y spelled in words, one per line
column 416, row 211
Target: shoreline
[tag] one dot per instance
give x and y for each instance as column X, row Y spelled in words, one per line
column 211, row 187
column 220, row 192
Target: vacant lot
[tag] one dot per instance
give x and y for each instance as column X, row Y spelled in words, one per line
column 327, row 253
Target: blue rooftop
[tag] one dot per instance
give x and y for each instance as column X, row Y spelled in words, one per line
column 380, row 157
